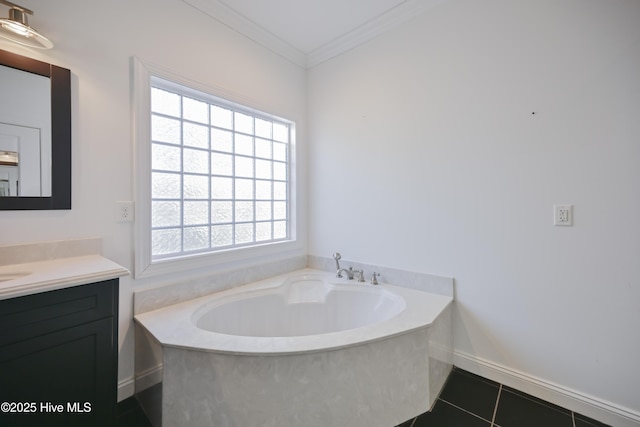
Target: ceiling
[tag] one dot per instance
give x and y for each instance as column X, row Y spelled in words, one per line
column 309, row 32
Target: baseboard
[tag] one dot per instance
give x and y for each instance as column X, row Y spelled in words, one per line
column 142, row 381
column 148, row 378
column 126, row 389
column 598, row 409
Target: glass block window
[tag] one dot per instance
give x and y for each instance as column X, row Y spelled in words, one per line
column 219, row 173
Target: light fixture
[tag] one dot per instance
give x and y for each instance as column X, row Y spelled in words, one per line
column 16, row 28
column 8, row 158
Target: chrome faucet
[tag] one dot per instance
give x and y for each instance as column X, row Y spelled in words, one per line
column 344, row 270
column 351, row 273
column 339, row 270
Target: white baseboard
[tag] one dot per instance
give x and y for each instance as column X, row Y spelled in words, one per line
column 148, row 378
column 144, row 380
column 126, row 388
column 598, row 409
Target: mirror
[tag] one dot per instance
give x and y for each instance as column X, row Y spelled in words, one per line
column 35, row 134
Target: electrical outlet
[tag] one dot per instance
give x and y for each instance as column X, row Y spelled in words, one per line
column 563, row 215
column 124, row 212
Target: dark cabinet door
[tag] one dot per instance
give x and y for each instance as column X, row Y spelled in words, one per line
column 59, row 376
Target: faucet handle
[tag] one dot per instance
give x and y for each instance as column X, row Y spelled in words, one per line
column 374, row 278
column 360, row 274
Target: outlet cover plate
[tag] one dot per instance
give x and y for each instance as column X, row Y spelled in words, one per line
column 124, row 212
column 563, row 215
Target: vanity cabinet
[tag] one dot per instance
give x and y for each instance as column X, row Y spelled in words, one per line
column 59, row 357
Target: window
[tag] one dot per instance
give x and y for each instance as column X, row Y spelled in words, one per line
column 214, row 178
column 219, row 173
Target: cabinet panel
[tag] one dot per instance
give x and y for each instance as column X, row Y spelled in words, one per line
column 74, row 368
column 59, row 357
column 32, row 315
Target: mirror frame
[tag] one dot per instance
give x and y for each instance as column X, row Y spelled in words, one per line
column 60, row 135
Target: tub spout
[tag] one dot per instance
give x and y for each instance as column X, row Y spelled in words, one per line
column 349, row 272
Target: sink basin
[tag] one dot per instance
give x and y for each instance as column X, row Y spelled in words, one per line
column 4, row 277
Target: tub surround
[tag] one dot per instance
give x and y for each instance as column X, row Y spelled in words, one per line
column 377, row 375
column 148, row 350
column 185, row 290
column 378, row 384
column 40, row 267
column 174, row 326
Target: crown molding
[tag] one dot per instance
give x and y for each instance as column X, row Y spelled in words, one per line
column 240, row 23
column 373, row 28
column 384, row 22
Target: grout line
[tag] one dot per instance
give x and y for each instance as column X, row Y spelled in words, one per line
column 464, row 410
column 573, row 418
column 414, row 421
column 495, row 409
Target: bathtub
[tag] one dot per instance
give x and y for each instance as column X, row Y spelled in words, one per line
column 305, row 348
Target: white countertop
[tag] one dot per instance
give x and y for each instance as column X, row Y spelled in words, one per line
column 41, row 276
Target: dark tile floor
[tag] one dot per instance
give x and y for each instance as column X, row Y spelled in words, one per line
column 130, row 414
column 467, row 400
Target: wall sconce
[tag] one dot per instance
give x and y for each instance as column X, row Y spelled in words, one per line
column 16, row 28
column 8, row 158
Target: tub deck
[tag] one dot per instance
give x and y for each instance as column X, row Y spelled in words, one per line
column 377, row 375
column 174, row 326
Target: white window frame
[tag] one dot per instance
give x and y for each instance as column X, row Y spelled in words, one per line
column 145, row 265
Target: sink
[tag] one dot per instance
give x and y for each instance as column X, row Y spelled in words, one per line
column 5, row 277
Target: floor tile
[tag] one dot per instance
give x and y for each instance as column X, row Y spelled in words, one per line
column 134, row 419
column 406, row 423
column 447, row 415
column 126, row 405
column 535, row 399
column 150, row 401
column 516, row 409
column 582, row 421
column 471, row 393
column 130, row 414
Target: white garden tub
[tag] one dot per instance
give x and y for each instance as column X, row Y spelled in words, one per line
column 306, row 349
